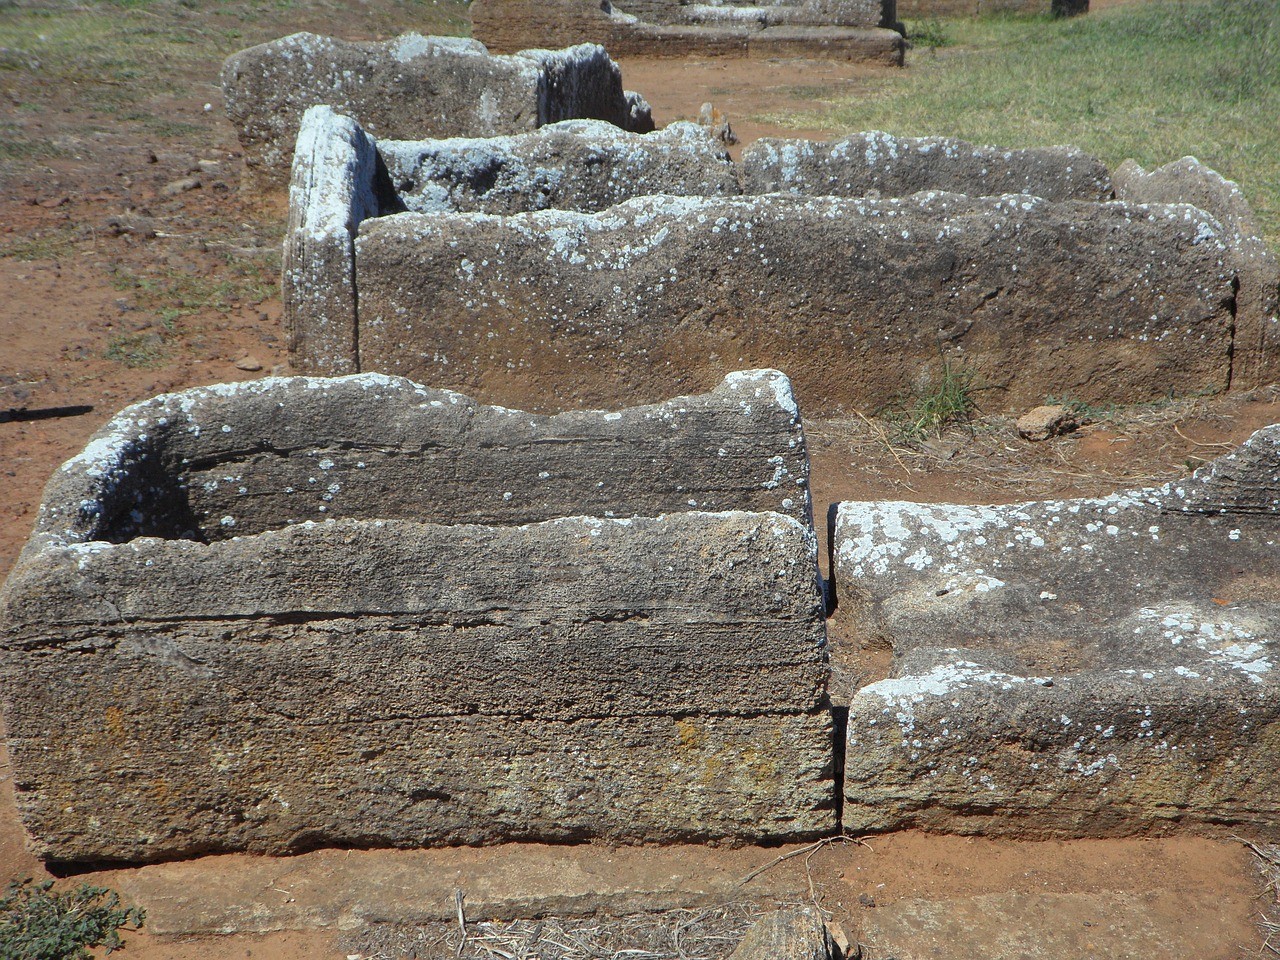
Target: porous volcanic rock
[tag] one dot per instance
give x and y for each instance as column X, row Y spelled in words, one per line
column 880, row 164
column 1257, row 353
column 177, row 683
column 412, row 86
column 795, row 933
column 1070, row 668
column 332, row 188
column 857, row 299
column 233, row 460
column 342, row 176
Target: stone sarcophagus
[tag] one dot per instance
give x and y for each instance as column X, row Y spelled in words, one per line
column 1070, row 668
column 855, row 266
column 300, row 612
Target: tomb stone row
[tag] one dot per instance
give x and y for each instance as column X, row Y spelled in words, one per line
column 538, row 270
column 305, row 612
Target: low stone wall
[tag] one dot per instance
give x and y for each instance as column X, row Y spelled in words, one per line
column 880, row 164
column 414, row 86
column 663, row 294
column 825, row 29
column 437, row 660
column 1070, row 668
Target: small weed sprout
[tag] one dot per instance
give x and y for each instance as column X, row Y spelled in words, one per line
column 931, row 410
column 37, row 923
column 930, row 34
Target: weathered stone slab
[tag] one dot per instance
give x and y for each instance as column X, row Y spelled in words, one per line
column 186, row 667
column 1071, row 668
column 796, row 933
column 349, row 889
column 1130, row 924
column 1257, row 354
column 880, row 164
column 340, row 177
column 237, row 459
column 855, row 298
column 385, row 683
column 582, row 165
column 839, row 29
column 412, row 86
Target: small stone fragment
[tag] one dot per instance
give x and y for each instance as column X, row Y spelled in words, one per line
column 249, row 363
column 717, row 124
column 1050, row 420
column 176, row 187
column 795, row 934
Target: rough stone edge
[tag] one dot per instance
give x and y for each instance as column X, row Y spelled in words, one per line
column 401, row 156
column 1256, row 358
column 331, row 190
column 82, row 492
column 1226, row 483
column 758, row 158
column 1159, row 796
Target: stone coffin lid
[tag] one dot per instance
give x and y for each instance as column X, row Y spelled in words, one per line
column 1071, row 668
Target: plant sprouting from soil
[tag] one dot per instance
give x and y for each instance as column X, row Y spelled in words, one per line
column 930, row 34
column 38, row 923
column 929, row 410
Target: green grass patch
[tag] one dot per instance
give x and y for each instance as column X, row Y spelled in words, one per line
column 929, row 34
column 38, row 923
column 932, row 408
column 1154, row 81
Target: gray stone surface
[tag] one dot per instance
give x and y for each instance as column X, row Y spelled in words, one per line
column 237, row 459
column 581, row 165
column 880, row 164
column 177, row 682
column 412, row 86
column 1257, row 355
column 1071, row 668
column 795, row 933
column 856, row 299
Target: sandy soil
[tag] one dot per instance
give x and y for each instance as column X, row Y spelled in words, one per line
column 98, row 248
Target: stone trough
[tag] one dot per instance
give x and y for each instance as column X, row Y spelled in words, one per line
column 414, row 86
column 858, row 266
column 1072, row 668
column 297, row 613
column 856, row 30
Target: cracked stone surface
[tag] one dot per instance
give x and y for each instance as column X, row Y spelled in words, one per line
column 1070, row 668
column 180, row 680
column 583, row 165
column 411, row 86
column 1257, row 359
